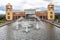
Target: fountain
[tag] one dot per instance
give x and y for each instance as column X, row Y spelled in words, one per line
column 27, row 29
column 41, row 31
column 18, row 22
column 17, row 25
column 37, row 26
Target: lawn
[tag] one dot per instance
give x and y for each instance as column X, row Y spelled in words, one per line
column 2, row 19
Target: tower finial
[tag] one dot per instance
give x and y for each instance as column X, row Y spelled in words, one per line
column 8, row 4
column 50, row 3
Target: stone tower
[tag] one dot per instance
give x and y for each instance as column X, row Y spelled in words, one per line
column 9, row 14
column 51, row 14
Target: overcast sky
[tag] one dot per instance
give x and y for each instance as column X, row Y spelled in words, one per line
column 19, row 5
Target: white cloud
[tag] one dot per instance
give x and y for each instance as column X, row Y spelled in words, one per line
column 26, row 4
column 2, row 12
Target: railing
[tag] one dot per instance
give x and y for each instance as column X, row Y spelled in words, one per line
column 51, row 22
column 7, row 23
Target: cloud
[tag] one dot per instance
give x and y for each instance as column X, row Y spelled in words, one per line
column 48, row 0
column 2, row 8
column 57, row 9
column 2, row 12
column 41, row 8
column 29, row 4
column 23, row 3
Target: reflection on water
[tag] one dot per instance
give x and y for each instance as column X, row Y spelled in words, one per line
column 51, row 32
column 46, row 31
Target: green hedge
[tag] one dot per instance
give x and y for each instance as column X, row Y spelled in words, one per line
column 1, row 21
column 2, row 17
column 59, row 21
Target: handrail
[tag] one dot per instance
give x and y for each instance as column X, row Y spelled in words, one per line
column 53, row 23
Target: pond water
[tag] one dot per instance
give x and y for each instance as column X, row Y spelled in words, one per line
column 29, row 30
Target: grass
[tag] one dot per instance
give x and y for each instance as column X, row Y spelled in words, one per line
column 2, row 21
column 58, row 21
